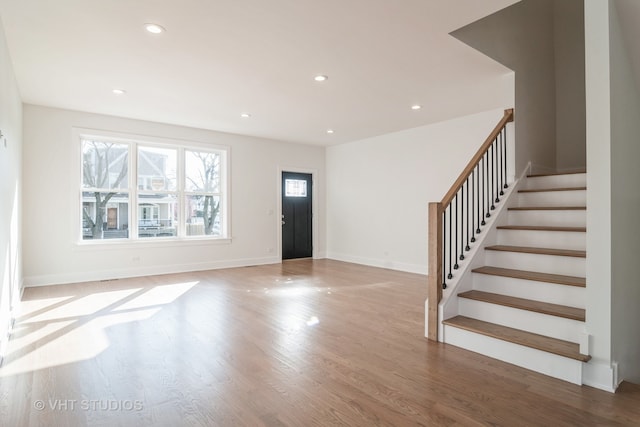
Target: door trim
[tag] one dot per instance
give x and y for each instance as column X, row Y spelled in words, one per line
column 314, row 204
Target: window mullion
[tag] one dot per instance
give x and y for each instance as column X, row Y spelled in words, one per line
column 182, row 228
column 133, row 192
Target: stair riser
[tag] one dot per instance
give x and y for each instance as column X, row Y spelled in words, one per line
column 568, row 266
column 538, row 291
column 549, row 218
column 557, row 181
column 545, row 363
column 537, row 323
column 553, row 198
column 543, row 239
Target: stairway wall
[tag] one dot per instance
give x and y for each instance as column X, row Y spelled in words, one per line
column 613, row 294
column 543, row 42
column 571, row 127
column 521, row 38
column 625, row 202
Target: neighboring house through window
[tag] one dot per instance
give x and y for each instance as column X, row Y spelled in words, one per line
column 169, row 190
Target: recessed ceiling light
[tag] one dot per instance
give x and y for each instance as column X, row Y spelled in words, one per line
column 329, row 130
column 320, row 78
column 416, row 107
column 119, row 91
column 154, row 28
column 245, row 115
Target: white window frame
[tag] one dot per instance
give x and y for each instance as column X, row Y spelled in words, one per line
column 80, row 134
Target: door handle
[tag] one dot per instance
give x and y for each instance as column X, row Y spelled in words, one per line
column 283, row 222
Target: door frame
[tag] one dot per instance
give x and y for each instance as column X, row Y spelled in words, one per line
column 314, row 204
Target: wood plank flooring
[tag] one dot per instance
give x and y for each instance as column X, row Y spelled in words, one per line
column 304, row 343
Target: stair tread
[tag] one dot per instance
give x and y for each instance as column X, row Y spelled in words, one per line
column 526, row 304
column 548, row 208
column 540, row 251
column 517, row 336
column 541, row 228
column 557, row 173
column 543, row 190
column 532, row 275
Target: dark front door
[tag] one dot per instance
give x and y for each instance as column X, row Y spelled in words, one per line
column 296, row 215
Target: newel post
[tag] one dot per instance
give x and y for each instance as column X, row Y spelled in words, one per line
column 435, row 268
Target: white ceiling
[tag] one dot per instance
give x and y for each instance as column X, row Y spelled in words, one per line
column 219, row 58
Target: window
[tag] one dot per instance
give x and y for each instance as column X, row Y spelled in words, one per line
column 105, row 182
column 295, row 188
column 202, row 193
column 157, row 191
column 174, row 191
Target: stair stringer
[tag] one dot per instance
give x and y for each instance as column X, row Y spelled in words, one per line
column 463, row 280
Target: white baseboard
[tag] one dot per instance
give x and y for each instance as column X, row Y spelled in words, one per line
column 320, row 255
column 381, row 263
column 90, row 276
column 600, row 375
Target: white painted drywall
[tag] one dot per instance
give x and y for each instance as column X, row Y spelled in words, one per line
column 625, row 203
column 598, row 371
column 521, row 37
column 568, row 37
column 378, row 189
column 51, row 252
column 10, row 191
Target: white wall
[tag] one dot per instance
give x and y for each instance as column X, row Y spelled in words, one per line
column 379, row 189
column 568, row 29
column 521, row 37
column 613, row 197
column 625, row 203
column 598, row 372
column 51, row 252
column 10, row 190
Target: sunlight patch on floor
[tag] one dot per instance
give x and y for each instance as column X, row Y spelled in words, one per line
column 67, row 329
column 158, row 295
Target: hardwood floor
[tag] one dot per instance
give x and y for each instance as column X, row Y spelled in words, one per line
column 305, row 343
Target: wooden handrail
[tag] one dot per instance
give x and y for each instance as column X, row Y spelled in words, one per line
column 507, row 118
column 436, row 212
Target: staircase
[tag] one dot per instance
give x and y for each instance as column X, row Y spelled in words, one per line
column 527, row 303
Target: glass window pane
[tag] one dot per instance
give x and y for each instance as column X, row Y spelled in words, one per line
column 202, row 215
column 105, row 215
column 157, row 169
column 202, row 171
column 157, row 215
column 104, row 165
column 295, row 188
